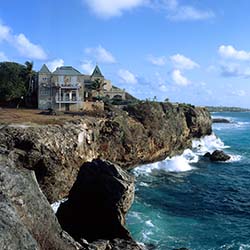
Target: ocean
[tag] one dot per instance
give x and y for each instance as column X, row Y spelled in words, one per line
column 188, row 201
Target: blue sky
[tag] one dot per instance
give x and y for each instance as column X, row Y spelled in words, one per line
column 186, row 50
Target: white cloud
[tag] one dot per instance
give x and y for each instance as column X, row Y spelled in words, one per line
column 189, row 13
column 52, row 65
column 228, row 51
column 127, row 77
column 87, row 67
column 239, row 92
column 175, row 11
column 235, row 70
column 21, row 43
column 182, row 62
column 28, row 49
column 100, row 54
column 178, row 78
column 5, row 32
column 159, row 61
column 111, row 8
column 3, row 57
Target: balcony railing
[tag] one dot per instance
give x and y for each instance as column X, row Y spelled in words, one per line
column 68, row 100
column 67, row 86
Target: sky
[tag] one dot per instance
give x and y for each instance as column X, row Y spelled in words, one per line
column 188, row 51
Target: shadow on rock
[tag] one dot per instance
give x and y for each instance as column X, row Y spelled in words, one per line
column 98, row 202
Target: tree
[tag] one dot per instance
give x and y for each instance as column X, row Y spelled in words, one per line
column 12, row 81
column 29, row 72
column 97, row 85
column 155, row 99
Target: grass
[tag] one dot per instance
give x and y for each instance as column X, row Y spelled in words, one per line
column 32, row 116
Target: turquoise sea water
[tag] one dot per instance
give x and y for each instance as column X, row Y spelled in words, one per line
column 187, row 201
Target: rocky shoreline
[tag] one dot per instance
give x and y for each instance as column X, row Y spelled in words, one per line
column 52, row 155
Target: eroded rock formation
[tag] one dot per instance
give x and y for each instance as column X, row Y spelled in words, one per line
column 53, row 155
column 26, row 218
column 140, row 133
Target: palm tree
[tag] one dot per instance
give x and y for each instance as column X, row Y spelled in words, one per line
column 29, row 72
column 98, row 85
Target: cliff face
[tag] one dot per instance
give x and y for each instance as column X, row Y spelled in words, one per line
column 138, row 134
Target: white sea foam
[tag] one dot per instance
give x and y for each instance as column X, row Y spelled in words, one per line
column 143, row 184
column 149, row 223
column 182, row 163
column 234, row 158
column 178, row 163
column 244, row 247
column 57, row 204
column 208, row 143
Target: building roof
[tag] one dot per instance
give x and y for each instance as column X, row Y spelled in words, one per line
column 97, row 72
column 66, row 70
column 44, row 70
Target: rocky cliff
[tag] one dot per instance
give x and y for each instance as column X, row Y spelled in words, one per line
column 41, row 163
column 138, row 134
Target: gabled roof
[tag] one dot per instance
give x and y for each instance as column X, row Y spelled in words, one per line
column 44, row 70
column 97, row 72
column 66, row 70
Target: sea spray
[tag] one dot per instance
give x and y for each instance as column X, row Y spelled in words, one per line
column 183, row 162
column 178, row 163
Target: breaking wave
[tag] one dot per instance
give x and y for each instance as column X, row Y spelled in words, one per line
column 183, row 163
column 208, row 144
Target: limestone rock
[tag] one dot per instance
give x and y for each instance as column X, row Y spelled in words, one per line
column 98, row 202
column 141, row 133
column 26, row 218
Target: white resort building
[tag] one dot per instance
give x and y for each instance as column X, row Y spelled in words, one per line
column 66, row 89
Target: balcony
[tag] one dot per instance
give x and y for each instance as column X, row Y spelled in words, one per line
column 67, row 86
column 68, row 100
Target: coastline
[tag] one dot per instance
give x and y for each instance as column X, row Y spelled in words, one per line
column 139, row 134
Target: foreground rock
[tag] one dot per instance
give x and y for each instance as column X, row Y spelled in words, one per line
column 218, row 155
column 141, row 133
column 97, row 203
column 26, row 218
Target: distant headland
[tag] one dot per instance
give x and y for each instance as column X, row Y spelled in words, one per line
column 226, row 109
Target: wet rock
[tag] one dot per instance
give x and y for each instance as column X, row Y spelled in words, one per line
column 219, row 155
column 98, row 202
column 220, row 120
column 208, row 155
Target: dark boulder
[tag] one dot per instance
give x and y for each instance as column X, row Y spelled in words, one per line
column 98, row 202
column 219, row 155
column 207, row 155
column 220, row 120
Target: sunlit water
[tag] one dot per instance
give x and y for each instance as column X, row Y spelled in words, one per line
column 188, row 201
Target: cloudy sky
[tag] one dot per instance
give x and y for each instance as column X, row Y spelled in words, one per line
column 186, row 50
